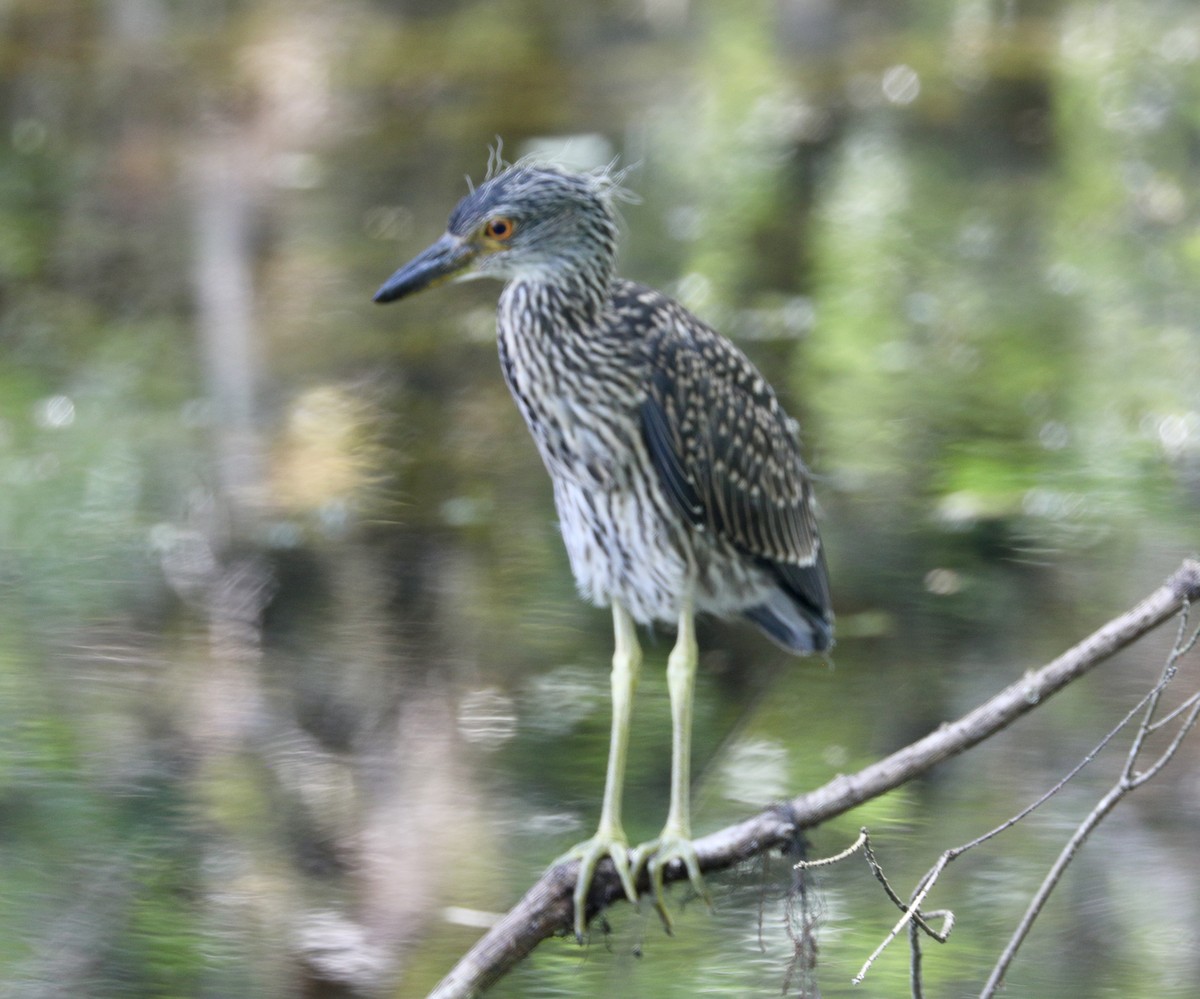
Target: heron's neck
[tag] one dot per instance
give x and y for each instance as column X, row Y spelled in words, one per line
column 559, row 300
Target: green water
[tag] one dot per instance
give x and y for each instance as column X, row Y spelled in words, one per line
column 294, row 684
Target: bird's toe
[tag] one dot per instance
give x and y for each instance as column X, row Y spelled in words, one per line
column 590, row 853
column 656, row 856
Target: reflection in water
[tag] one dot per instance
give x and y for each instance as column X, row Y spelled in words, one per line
column 755, row 771
column 294, row 689
column 562, row 698
column 486, row 718
column 224, row 199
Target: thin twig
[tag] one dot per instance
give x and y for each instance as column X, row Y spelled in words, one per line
column 1175, row 712
column 911, row 913
column 1106, row 805
column 1129, row 780
column 1168, row 754
column 914, row 961
column 853, row 848
column 912, row 916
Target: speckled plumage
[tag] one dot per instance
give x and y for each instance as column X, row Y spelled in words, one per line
column 677, row 475
column 675, row 469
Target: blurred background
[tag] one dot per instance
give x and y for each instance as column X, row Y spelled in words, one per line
column 295, row 691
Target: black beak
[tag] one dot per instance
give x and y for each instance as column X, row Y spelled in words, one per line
column 448, row 257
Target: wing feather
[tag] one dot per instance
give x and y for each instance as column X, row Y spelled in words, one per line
column 722, row 444
column 728, row 459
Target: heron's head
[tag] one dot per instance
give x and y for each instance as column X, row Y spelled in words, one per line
column 535, row 222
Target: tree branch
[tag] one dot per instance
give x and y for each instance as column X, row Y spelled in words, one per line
column 1130, row 780
column 546, row 909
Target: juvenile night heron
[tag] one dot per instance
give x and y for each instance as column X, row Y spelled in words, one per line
column 676, row 472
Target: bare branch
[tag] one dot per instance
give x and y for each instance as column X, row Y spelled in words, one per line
column 911, row 910
column 859, row 844
column 912, row 916
column 1175, row 712
column 1129, row 780
column 1189, row 722
column 914, row 919
column 919, row 919
column 1105, row 805
column 863, row 844
column 546, row 908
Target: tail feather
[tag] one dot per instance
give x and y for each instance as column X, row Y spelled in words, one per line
column 797, row 614
column 785, row 623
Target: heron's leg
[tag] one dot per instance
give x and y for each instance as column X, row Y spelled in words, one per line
column 610, row 838
column 675, row 841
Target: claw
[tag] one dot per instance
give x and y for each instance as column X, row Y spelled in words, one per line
column 655, row 856
column 589, row 853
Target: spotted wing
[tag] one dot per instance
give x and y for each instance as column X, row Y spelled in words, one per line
column 727, row 454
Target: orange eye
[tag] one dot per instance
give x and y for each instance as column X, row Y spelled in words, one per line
column 499, row 228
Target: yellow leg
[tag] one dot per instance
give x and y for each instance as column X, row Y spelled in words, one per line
column 610, row 838
column 675, row 841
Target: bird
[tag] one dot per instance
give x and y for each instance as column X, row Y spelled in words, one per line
column 677, row 475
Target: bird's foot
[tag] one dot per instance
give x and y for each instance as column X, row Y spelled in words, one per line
column 656, row 856
column 609, row 843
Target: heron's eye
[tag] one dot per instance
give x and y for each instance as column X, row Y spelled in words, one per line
column 499, row 228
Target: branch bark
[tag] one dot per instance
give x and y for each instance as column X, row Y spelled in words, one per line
column 546, row 909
